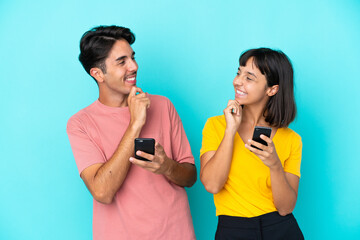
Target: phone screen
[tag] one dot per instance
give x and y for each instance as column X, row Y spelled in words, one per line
column 257, row 132
column 145, row 145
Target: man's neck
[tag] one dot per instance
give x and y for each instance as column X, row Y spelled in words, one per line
column 114, row 101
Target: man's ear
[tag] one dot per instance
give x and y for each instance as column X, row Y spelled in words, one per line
column 273, row 90
column 98, row 74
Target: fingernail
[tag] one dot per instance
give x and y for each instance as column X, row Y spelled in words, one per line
column 131, row 159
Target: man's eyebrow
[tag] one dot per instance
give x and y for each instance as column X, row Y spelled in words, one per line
column 120, row 58
column 123, row 57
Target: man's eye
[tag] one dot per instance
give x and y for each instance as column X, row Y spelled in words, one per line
column 122, row 63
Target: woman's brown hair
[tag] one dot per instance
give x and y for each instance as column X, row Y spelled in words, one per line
column 280, row 110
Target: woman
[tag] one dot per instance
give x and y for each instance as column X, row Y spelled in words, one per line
column 255, row 189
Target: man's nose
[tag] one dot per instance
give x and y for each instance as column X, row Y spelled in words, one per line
column 133, row 66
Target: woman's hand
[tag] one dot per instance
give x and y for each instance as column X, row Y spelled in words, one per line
column 267, row 154
column 233, row 114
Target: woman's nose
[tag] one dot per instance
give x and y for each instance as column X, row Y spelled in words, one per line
column 238, row 80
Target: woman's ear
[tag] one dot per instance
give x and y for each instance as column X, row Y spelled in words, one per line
column 98, row 74
column 272, row 90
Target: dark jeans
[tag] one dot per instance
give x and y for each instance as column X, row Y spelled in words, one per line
column 270, row 226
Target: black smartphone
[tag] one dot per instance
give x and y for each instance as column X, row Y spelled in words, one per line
column 145, row 145
column 257, row 132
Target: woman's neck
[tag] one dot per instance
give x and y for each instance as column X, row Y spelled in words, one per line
column 253, row 116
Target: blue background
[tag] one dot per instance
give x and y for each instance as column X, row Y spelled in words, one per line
column 187, row 51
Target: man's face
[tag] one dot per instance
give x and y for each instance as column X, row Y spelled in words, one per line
column 121, row 69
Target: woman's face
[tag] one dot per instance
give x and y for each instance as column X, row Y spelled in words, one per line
column 250, row 85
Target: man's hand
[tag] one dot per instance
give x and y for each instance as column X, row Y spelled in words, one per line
column 182, row 174
column 137, row 106
column 159, row 163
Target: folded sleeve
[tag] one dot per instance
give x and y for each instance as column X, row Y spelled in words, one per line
column 86, row 151
column 181, row 150
column 293, row 163
column 210, row 137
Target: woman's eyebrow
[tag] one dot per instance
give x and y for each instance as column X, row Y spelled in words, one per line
column 252, row 74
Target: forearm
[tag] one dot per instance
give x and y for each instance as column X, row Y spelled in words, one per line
column 110, row 176
column 182, row 174
column 214, row 173
column 283, row 194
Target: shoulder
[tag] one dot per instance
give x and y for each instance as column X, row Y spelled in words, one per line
column 158, row 99
column 217, row 120
column 216, row 123
column 162, row 104
column 77, row 120
column 289, row 135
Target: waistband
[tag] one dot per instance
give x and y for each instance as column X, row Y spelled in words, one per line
column 253, row 222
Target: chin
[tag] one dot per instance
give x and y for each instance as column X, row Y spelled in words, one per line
column 240, row 101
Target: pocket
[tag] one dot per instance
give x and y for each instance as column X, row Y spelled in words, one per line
column 287, row 230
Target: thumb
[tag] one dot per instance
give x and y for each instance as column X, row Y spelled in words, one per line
column 158, row 147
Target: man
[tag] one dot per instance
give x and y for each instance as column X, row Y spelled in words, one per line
column 133, row 199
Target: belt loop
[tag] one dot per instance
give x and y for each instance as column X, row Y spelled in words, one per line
column 258, row 230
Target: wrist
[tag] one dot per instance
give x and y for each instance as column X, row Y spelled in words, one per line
column 136, row 124
column 276, row 167
column 170, row 169
column 230, row 132
column 135, row 128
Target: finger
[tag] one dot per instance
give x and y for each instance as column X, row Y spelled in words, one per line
column 254, row 150
column 145, row 155
column 141, row 163
column 266, row 138
column 144, row 102
column 239, row 110
column 133, row 91
column 231, row 108
column 139, row 90
column 234, row 104
column 256, row 144
column 147, row 102
column 236, row 110
column 140, row 96
column 228, row 110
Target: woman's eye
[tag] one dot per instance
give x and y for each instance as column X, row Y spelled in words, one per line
column 247, row 78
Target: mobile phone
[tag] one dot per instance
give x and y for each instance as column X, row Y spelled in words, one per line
column 145, row 145
column 257, row 132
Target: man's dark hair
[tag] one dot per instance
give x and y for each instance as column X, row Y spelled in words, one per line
column 96, row 44
column 280, row 110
